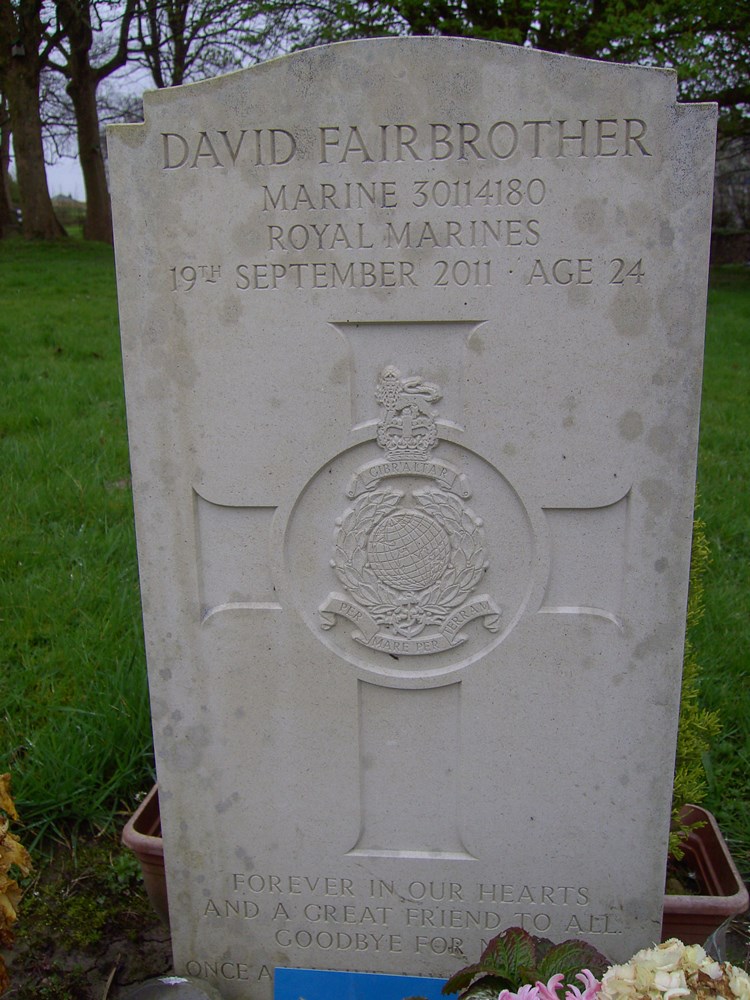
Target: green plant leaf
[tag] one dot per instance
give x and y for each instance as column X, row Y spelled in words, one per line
column 486, row 988
column 460, row 980
column 507, row 958
column 569, row 958
column 509, row 953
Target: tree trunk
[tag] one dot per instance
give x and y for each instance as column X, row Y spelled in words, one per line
column 39, row 219
column 21, row 30
column 7, row 215
column 98, row 222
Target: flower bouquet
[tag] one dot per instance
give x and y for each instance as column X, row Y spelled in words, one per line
column 520, row 966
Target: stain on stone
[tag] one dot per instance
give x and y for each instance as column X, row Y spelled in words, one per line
column 569, row 404
column 510, row 450
column 340, row 372
column 589, row 215
column 247, row 860
column 661, row 564
column 159, row 708
column 657, row 643
column 221, row 807
column 661, row 440
column 630, row 425
column 657, row 493
column 631, row 311
column 230, row 311
column 666, row 234
column 186, row 752
column 578, row 295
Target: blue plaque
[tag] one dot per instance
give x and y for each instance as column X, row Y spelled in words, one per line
column 317, row 984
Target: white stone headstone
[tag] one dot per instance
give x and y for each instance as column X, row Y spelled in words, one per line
column 412, row 333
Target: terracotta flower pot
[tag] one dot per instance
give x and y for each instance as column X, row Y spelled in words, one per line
column 142, row 834
column 693, row 919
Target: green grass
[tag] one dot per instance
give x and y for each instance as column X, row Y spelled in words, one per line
column 722, row 639
column 74, row 723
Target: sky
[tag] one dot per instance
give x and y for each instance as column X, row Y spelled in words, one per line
column 64, row 177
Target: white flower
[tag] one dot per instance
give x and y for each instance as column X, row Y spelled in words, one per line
column 712, row 969
column 739, row 982
column 671, row 984
column 671, row 971
column 693, row 957
column 667, row 956
column 618, row 983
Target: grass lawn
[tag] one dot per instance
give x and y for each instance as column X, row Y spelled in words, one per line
column 74, row 720
column 722, row 639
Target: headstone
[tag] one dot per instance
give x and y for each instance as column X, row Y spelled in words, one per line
column 412, row 336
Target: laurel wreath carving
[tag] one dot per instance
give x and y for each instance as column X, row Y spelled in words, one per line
column 350, row 553
column 467, row 563
column 409, row 612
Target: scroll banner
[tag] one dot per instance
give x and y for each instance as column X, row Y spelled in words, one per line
column 446, row 476
column 447, row 636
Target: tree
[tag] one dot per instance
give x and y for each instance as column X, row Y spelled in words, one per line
column 25, row 46
column 184, row 40
column 7, row 215
column 707, row 41
column 76, row 38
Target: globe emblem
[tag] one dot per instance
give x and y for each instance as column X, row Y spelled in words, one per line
column 408, row 550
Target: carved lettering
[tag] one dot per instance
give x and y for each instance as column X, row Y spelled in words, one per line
column 327, row 236
column 471, row 141
column 324, row 197
column 326, row 274
column 292, row 885
column 273, row 147
column 219, row 969
column 415, row 235
column 244, row 908
column 439, row 945
column 339, row 940
column 467, row 141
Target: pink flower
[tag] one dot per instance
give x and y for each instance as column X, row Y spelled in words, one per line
column 591, row 984
column 550, row 990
